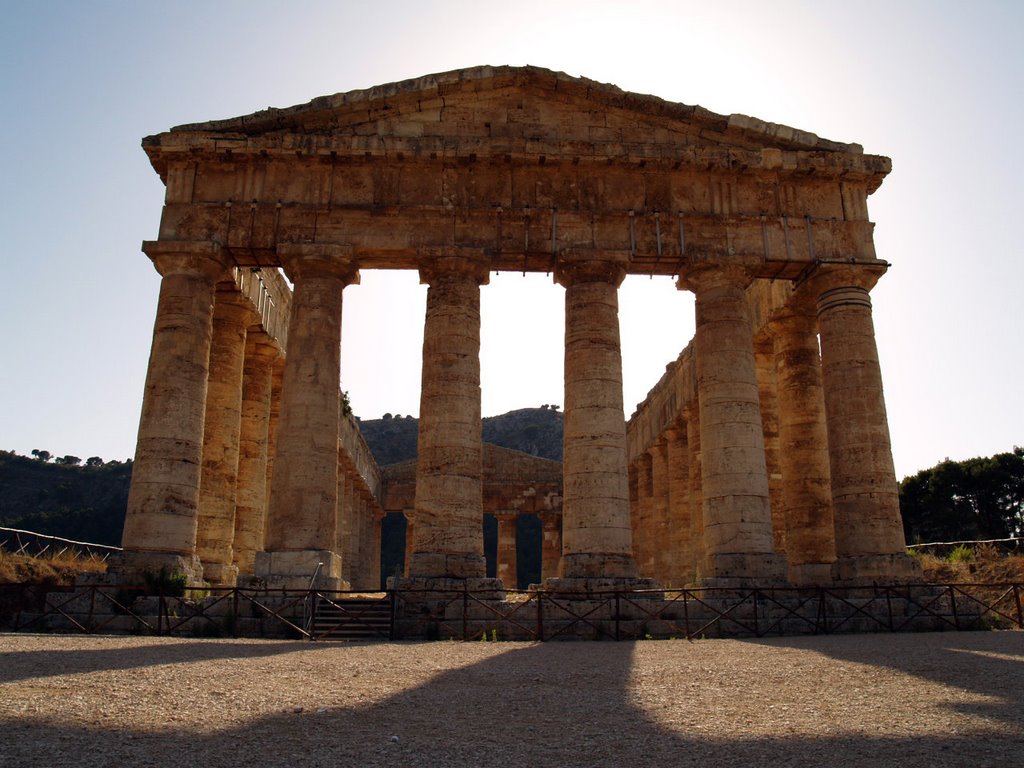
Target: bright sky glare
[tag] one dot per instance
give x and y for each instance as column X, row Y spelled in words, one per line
column 935, row 85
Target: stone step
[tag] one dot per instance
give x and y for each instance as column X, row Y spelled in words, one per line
column 352, row 618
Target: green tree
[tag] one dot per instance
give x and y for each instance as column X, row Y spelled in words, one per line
column 41, row 455
column 68, row 461
column 94, row 461
column 981, row 498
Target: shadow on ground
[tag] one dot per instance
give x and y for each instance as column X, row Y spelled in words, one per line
column 490, row 714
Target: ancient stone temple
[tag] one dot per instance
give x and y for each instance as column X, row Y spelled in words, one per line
column 756, row 459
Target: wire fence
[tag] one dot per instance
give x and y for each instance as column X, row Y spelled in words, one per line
column 529, row 615
column 33, row 544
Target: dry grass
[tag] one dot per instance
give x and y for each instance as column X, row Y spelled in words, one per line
column 57, row 570
column 983, row 564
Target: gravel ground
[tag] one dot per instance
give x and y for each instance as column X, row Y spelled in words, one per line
column 954, row 699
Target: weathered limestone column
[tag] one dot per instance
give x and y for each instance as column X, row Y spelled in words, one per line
column 232, row 316
column 373, row 580
column 803, row 457
column 643, row 545
column 448, row 541
column 659, row 532
column 276, row 384
column 551, row 544
column 410, row 525
column 251, row 495
column 348, row 541
column 160, row 525
column 869, row 534
column 506, row 570
column 737, row 514
column 680, row 566
column 691, row 413
column 303, row 516
column 764, row 358
column 597, row 548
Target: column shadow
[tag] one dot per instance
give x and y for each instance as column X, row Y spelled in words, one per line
column 555, row 704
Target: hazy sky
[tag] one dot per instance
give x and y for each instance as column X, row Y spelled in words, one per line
column 935, row 85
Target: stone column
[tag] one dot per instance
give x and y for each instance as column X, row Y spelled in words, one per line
column 764, row 358
column 302, row 520
column 551, row 544
column 806, row 498
column 506, row 570
column 232, row 316
column 448, row 543
column 251, row 496
column 643, row 545
column 160, row 524
column 597, row 548
column 737, row 514
column 680, row 566
column 691, row 413
column 276, row 384
column 347, row 542
column 410, row 526
column 659, row 532
column 869, row 534
column 373, row 580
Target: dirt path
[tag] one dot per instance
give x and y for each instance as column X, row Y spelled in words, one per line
column 932, row 700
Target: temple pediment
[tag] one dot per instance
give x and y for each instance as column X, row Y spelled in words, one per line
column 508, row 112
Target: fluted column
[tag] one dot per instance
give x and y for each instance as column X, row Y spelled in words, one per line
column 659, row 532
column 232, row 316
column 251, row 495
column 691, row 414
column 347, row 542
column 302, row 519
column 764, row 358
column 551, row 544
column 507, row 563
column 806, row 498
column 597, row 548
column 737, row 514
column 869, row 533
column 448, row 541
column 161, row 519
column 680, row 564
column 643, row 544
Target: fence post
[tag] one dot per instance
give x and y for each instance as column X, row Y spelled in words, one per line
column 618, row 615
column 1016, row 599
column 393, row 597
column 540, row 616
column 234, row 612
column 952, row 606
column 465, row 612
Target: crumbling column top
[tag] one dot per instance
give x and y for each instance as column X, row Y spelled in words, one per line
column 202, row 258
column 701, row 277
column 455, row 262
column 306, row 260
column 583, row 266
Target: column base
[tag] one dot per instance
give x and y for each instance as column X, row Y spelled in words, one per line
column 480, row 587
column 898, row 568
column 811, row 574
column 582, row 587
column 295, row 570
column 221, row 574
column 440, row 565
column 744, row 570
column 131, row 568
column 591, row 565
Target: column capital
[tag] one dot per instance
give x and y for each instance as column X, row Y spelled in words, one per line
column 826, row 278
column 454, row 262
column 581, row 266
column 302, row 260
column 233, row 306
column 199, row 258
column 260, row 346
column 702, row 277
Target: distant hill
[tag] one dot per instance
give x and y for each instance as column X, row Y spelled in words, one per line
column 84, row 503
column 87, row 503
column 536, row 431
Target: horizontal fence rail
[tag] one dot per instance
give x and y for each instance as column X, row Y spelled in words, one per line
column 33, row 544
column 511, row 615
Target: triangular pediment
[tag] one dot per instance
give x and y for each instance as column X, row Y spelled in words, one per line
column 504, row 109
